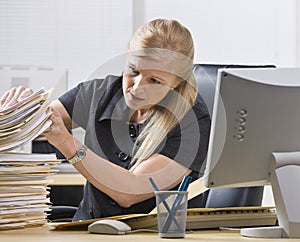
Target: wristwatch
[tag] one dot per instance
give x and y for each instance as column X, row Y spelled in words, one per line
column 80, row 155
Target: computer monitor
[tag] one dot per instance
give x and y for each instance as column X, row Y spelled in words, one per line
column 34, row 77
column 255, row 140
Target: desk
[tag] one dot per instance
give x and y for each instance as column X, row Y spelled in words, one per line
column 43, row 234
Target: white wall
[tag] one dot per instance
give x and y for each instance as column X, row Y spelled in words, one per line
column 234, row 31
column 74, row 34
column 80, row 35
column 298, row 32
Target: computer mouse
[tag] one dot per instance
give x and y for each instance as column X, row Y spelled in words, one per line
column 108, row 226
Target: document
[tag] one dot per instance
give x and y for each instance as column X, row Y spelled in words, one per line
column 10, row 122
column 24, row 178
column 24, row 189
column 24, row 121
column 29, row 157
column 30, row 136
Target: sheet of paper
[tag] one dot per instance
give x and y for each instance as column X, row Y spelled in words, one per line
column 25, row 209
column 5, row 133
column 22, row 218
column 24, row 189
column 29, row 138
column 23, row 196
column 24, row 203
column 27, row 130
column 20, row 117
column 21, row 169
column 22, row 183
column 23, row 178
column 13, row 156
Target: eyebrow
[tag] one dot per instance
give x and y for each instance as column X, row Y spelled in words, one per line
column 132, row 65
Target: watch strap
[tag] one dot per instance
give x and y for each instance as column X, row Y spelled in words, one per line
column 80, row 155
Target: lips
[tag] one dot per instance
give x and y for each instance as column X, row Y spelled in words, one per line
column 135, row 98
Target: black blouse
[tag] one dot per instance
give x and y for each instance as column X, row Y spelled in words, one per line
column 98, row 106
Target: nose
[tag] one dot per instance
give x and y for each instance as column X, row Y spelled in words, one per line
column 138, row 82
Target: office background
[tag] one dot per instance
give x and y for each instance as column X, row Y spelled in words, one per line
column 82, row 35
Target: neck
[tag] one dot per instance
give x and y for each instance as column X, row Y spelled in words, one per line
column 139, row 116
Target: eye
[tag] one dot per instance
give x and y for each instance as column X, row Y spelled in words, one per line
column 154, row 81
column 133, row 71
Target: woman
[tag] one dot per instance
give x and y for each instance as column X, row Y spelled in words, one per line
column 149, row 122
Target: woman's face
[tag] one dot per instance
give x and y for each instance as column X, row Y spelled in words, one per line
column 146, row 83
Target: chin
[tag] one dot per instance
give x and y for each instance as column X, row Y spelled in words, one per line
column 137, row 106
column 132, row 105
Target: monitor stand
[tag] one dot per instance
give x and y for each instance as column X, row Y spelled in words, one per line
column 285, row 181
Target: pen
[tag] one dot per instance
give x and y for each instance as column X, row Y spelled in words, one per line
column 182, row 188
column 165, row 203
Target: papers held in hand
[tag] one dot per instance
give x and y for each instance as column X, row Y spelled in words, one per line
column 25, row 120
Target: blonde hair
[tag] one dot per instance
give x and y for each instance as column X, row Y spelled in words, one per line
column 169, row 39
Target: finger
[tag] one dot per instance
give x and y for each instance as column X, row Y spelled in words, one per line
column 11, row 99
column 19, row 92
column 49, row 130
column 8, row 97
column 55, row 111
column 53, row 117
column 10, row 94
column 27, row 92
column 49, row 110
column 4, row 97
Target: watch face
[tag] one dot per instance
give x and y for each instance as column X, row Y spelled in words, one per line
column 81, row 153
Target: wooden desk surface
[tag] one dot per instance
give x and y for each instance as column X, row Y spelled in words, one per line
column 43, row 234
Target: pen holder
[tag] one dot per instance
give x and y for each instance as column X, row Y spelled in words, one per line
column 171, row 213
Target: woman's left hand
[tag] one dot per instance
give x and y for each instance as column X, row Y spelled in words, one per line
column 13, row 96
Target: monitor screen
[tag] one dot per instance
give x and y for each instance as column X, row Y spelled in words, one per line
column 255, row 138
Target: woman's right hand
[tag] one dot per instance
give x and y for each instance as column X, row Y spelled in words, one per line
column 59, row 136
column 13, row 96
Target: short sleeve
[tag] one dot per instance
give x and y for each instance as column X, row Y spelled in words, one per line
column 81, row 101
column 76, row 104
column 68, row 99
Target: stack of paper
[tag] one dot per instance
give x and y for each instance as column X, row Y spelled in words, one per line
column 24, row 121
column 24, row 179
column 24, row 189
